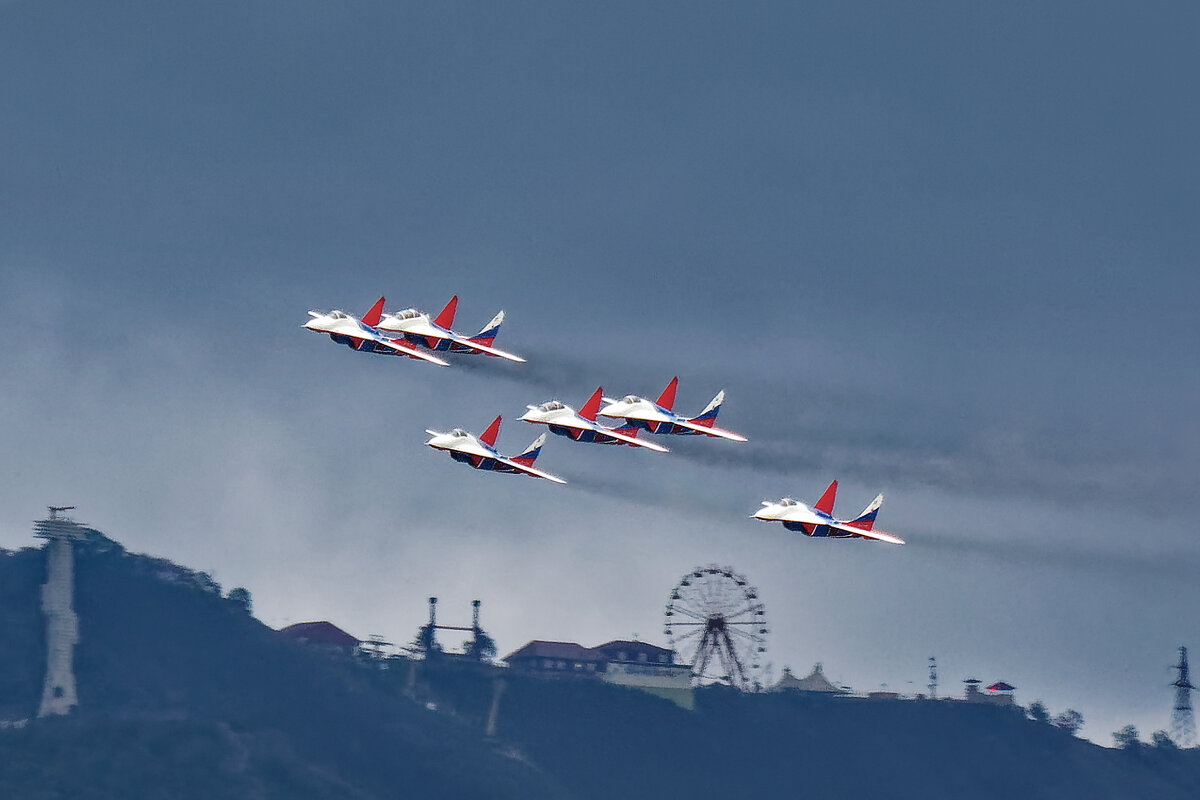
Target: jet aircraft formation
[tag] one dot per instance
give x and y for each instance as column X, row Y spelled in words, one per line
column 417, row 335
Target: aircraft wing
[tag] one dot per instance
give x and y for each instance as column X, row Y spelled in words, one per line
column 633, row 440
column 877, row 535
column 537, row 473
column 721, row 432
column 483, row 348
column 429, row 331
column 401, row 346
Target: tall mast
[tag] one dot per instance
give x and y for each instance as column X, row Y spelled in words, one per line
column 1183, row 724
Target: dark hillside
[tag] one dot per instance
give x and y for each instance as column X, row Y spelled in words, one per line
column 22, row 637
column 183, row 694
column 166, row 664
column 604, row 742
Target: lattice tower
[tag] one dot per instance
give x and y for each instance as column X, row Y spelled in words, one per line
column 1183, row 724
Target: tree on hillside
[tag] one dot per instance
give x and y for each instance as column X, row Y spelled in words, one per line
column 241, row 596
column 1070, row 721
column 1127, row 738
column 1037, row 711
column 1163, row 741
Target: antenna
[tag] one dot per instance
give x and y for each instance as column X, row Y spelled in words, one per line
column 932, row 687
column 1183, row 724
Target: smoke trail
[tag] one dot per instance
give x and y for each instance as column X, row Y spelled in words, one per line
column 1181, row 566
column 811, row 429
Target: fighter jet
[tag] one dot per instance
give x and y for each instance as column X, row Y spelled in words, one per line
column 582, row 425
column 481, row 453
column 417, row 328
column 361, row 335
column 819, row 520
column 658, row 417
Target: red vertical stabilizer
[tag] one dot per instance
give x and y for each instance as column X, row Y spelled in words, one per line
column 372, row 317
column 446, row 318
column 667, row 398
column 592, row 406
column 488, row 437
column 825, row 504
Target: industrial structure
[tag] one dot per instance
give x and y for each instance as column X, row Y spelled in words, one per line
column 1183, row 724
column 479, row 648
column 62, row 624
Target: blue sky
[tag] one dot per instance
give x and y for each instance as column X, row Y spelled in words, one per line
column 944, row 251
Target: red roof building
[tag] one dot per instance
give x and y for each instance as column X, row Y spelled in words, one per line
column 624, row 651
column 636, row 665
column 322, row 634
column 568, row 658
column 550, row 658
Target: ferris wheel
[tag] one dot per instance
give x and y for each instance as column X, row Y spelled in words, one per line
column 717, row 623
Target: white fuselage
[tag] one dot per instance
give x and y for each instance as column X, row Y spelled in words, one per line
column 563, row 420
column 788, row 510
column 459, row 441
column 555, row 413
column 411, row 322
column 634, row 407
column 339, row 323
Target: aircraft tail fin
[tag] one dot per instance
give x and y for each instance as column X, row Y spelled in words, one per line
column 372, row 317
column 531, row 453
column 446, row 318
column 488, row 437
column 488, row 334
column 825, row 504
column 866, row 520
column 709, row 415
column 592, row 406
column 667, row 398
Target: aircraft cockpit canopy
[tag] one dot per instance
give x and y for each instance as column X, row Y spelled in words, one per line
column 787, row 501
column 459, row 433
column 630, row 398
column 553, row 405
column 408, row 313
column 339, row 315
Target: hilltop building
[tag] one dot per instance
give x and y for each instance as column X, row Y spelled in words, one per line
column 324, row 635
column 638, row 665
column 997, row 694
